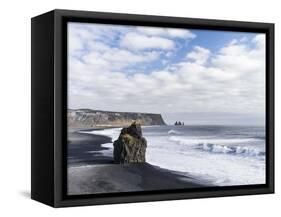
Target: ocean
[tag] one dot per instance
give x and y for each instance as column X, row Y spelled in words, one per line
column 215, row 155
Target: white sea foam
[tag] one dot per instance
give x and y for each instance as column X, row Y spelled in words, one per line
column 194, row 140
column 225, row 146
column 107, row 145
column 113, row 133
column 108, row 152
column 220, row 161
column 174, row 132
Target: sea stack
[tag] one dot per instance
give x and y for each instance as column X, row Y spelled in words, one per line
column 130, row 147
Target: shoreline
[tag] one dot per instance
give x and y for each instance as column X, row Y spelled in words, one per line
column 112, row 178
column 90, row 172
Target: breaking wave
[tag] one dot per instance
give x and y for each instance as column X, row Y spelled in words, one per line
column 246, row 151
column 174, row 132
column 212, row 158
column 224, row 146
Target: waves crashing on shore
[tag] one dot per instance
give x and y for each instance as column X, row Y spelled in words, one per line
column 222, row 156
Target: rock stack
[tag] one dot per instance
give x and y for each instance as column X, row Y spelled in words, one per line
column 130, row 147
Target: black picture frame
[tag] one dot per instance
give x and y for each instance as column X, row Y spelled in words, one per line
column 49, row 111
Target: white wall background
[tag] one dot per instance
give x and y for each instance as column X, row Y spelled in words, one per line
column 15, row 106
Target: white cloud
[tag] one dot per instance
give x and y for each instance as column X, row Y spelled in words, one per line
column 74, row 44
column 117, row 59
column 260, row 41
column 241, row 57
column 200, row 55
column 167, row 32
column 230, row 80
column 178, row 33
column 135, row 41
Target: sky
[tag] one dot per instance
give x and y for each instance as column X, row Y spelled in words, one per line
column 196, row 76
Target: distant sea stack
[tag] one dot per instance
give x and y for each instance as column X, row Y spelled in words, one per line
column 179, row 123
column 87, row 118
column 130, row 147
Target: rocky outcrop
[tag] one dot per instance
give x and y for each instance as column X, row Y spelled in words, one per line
column 130, row 147
column 179, row 123
column 87, row 118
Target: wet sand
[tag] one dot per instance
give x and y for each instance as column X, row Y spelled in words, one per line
column 90, row 172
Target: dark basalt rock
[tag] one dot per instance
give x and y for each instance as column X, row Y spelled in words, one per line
column 130, row 147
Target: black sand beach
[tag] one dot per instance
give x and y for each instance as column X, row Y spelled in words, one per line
column 90, row 172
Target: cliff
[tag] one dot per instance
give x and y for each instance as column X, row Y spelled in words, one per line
column 86, row 118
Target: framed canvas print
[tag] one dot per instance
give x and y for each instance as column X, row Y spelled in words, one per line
column 130, row 108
